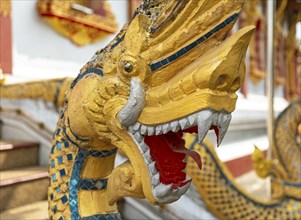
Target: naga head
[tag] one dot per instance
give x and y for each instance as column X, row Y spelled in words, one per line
column 181, row 73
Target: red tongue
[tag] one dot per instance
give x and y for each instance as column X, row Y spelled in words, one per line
column 179, row 146
column 194, row 155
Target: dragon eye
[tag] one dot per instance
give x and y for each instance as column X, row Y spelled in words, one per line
column 128, row 67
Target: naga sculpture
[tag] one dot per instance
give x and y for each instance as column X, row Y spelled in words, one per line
column 169, row 72
column 228, row 200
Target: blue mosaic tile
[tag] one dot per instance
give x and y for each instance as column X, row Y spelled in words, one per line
column 52, row 163
column 75, row 177
column 54, row 209
column 61, row 218
column 62, row 172
column 54, row 177
column 51, row 197
column 58, row 131
column 60, row 160
column 59, row 145
column 181, row 52
column 92, row 184
column 164, row 62
column 173, row 58
column 73, row 182
column 58, row 189
column 155, row 66
column 66, row 144
column 73, row 203
column 69, row 157
column 64, row 199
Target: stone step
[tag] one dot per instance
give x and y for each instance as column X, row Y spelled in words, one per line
column 37, row 211
column 20, row 186
column 15, row 154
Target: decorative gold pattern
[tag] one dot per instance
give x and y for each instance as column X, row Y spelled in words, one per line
column 81, row 27
column 227, row 200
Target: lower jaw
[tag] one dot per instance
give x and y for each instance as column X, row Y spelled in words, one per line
column 164, row 150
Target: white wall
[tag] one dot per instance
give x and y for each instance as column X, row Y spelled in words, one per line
column 40, row 51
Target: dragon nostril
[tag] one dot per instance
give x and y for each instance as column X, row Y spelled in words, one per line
column 235, row 85
column 221, row 81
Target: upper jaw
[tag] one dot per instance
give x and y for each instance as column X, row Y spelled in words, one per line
column 204, row 120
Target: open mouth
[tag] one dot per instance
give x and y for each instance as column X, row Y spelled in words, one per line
column 163, row 149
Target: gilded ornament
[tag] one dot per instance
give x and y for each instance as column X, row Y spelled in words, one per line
column 170, row 71
column 82, row 21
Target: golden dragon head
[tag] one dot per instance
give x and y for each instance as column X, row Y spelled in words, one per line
column 179, row 75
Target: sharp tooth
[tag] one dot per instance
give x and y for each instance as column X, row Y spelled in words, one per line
column 152, row 168
column 215, row 119
column 143, row 129
column 220, row 118
column 131, row 129
column 184, row 123
column 150, row 130
column 174, row 126
column 155, row 179
column 158, row 129
column 182, row 190
column 165, row 128
column 143, row 147
column 147, row 156
column 192, row 119
column 162, row 190
column 204, row 123
column 136, row 126
column 138, row 137
column 167, row 199
column 224, row 127
column 187, row 178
